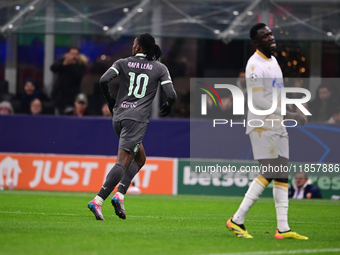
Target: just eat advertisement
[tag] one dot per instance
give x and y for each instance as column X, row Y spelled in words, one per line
column 79, row 173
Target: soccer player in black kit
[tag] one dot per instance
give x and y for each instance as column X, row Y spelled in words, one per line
column 140, row 75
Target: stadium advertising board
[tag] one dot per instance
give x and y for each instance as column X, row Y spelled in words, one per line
column 203, row 183
column 78, row 173
column 233, row 182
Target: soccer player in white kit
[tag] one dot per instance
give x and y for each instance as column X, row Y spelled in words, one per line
column 270, row 141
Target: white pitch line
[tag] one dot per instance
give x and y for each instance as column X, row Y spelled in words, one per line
column 307, row 251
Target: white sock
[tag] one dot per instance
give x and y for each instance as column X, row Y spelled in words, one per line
column 98, row 200
column 254, row 192
column 280, row 194
column 120, row 195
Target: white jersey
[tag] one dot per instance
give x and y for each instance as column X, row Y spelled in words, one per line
column 262, row 74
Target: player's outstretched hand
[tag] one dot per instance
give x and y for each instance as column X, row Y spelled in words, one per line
column 300, row 118
column 111, row 103
column 165, row 109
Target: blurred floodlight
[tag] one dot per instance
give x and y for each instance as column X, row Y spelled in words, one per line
column 126, row 10
column 105, row 28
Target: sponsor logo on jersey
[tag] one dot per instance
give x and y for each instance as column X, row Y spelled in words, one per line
column 277, row 84
column 125, row 104
column 253, row 77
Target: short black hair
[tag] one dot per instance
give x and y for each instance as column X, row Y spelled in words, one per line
column 324, row 86
column 253, row 30
column 73, row 48
column 305, row 175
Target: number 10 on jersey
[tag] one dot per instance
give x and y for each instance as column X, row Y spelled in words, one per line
column 138, row 84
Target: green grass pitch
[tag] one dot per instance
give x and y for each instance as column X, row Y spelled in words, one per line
column 37, row 222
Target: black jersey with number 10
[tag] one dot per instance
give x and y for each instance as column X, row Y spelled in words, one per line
column 139, row 79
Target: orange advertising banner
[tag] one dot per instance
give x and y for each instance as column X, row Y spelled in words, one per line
column 79, row 173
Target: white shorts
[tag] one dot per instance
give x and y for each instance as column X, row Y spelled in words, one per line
column 269, row 144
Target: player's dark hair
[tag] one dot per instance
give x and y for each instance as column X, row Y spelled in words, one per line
column 324, row 86
column 305, row 175
column 151, row 49
column 253, row 30
column 73, row 48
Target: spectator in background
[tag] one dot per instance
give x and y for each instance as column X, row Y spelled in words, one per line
column 182, row 105
column 80, row 106
column 36, row 107
column 30, row 93
column 221, row 111
column 6, row 108
column 241, row 82
column 302, row 188
column 105, row 111
column 298, row 83
column 323, row 105
column 296, row 109
column 335, row 117
column 70, row 71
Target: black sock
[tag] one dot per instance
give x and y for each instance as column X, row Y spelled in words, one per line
column 127, row 178
column 112, row 179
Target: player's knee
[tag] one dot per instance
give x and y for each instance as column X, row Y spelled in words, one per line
column 140, row 161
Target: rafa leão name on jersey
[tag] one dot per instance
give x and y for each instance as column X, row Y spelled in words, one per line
column 140, row 65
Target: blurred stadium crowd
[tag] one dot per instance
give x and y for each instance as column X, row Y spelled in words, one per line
column 68, row 96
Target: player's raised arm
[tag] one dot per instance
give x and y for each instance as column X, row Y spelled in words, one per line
column 111, row 73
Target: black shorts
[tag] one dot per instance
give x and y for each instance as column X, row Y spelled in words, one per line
column 130, row 134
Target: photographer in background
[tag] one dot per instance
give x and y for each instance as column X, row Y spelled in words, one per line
column 70, row 71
